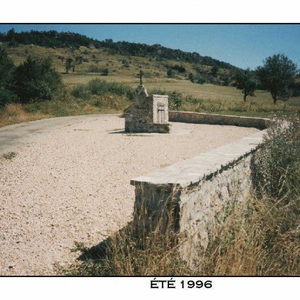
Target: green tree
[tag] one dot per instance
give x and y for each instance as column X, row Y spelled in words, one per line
column 170, row 73
column 175, row 100
column 36, row 80
column 69, row 64
column 105, row 72
column 214, row 71
column 201, row 80
column 277, row 76
column 6, row 79
column 6, row 68
column 191, row 77
column 246, row 81
column 11, row 37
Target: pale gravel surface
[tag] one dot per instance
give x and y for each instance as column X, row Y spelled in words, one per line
column 72, row 183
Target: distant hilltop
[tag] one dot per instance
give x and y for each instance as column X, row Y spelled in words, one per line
column 71, row 40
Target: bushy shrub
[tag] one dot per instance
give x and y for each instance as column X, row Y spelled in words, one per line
column 214, row 71
column 175, row 100
column 36, row 80
column 101, row 87
column 179, row 68
column 191, row 77
column 81, row 91
column 104, row 72
column 6, row 97
column 95, row 69
column 277, row 166
column 104, row 95
column 170, row 73
column 201, row 80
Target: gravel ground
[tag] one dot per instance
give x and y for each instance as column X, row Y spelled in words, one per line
column 71, row 184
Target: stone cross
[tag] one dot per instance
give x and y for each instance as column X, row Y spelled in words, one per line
column 141, row 77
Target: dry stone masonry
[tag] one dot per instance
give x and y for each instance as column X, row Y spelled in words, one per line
column 148, row 114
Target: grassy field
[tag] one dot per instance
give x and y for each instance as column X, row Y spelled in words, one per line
column 187, row 88
column 204, row 97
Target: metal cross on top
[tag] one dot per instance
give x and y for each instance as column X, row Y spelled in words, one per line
column 141, row 77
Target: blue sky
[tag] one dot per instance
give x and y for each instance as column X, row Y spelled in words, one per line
column 241, row 45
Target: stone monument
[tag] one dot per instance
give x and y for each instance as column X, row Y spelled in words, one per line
column 147, row 114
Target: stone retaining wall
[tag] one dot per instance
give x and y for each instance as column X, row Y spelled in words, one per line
column 188, row 197
column 203, row 118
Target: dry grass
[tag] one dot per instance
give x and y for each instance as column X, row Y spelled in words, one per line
column 140, row 248
column 15, row 113
column 65, row 105
column 253, row 240
column 260, row 237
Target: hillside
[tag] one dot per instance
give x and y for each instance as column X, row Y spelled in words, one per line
column 115, row 58
column 54, row 39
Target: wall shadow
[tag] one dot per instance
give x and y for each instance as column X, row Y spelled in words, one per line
column 100, row 251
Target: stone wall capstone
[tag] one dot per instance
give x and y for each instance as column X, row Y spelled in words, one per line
column 215, row 119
